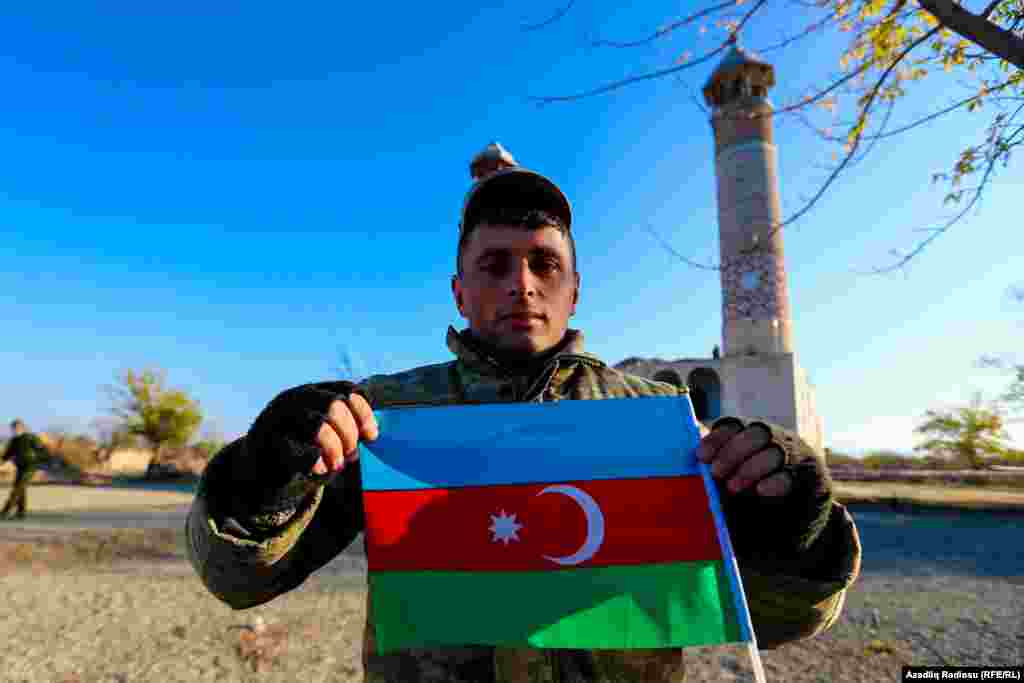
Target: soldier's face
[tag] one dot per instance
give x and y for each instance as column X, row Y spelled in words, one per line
column 518, row 287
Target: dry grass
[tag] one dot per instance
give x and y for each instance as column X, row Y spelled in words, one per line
column 108, row 625
column 54, row 551
column 925, row 495
column 123, row 605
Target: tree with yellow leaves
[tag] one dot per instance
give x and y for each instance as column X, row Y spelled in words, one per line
column 893, row 44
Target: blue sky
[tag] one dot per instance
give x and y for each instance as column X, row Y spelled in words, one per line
column 241, row 196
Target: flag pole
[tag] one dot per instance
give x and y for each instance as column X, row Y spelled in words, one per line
column 755, row 660
column 690, row 419
column 734, row 575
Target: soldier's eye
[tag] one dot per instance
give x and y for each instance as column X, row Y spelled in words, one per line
column 494, row 268
column 545, row 266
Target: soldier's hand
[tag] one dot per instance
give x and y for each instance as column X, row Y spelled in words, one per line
column 348, row 422
column 777, row 498
column 312, row 429
column 745, row 457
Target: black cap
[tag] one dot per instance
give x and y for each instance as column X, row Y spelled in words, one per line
column 515, row 187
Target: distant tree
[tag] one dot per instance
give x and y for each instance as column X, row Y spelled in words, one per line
column 1012, row 400
column 885, row 459
column 893, row 45
column 834, row 457
column 147, row 408
column 973, row 435
column 210, row 443
column 112, row 435
column 1014, row 396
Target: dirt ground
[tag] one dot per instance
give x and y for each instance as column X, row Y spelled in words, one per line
column 962, row 497
column 96, row 589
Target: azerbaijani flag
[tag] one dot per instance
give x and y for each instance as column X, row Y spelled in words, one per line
column 576, row 524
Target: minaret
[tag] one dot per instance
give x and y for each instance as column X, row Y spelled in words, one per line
column 755, row 301
column 491, row 158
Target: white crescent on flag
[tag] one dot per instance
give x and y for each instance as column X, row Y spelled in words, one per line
column 595, row 524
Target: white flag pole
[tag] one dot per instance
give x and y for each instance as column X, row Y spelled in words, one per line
column 734, row 570
column 755, row 659
column 734, row 574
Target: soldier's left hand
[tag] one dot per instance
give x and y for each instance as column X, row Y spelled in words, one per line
column 775, row 502
column 746, row 458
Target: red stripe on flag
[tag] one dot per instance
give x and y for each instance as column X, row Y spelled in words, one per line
column 513, row 527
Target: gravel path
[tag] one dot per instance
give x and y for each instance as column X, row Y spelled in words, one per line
column 935, row 588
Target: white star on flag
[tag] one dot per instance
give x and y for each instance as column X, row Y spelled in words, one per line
column 504, row 527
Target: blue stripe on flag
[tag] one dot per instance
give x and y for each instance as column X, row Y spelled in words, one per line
column 732, row 570
column 524, row 443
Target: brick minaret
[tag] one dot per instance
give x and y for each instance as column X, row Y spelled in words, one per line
column 755, row 301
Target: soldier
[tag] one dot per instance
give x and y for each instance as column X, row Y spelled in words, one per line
column 283, row 500
column 27, row 451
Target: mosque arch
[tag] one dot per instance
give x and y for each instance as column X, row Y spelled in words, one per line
column 705, row 393
column 670, row 376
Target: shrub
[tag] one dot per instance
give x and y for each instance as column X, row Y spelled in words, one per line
column 833, row 458
column 76, row 454
column 885, row 460
column 209, row 447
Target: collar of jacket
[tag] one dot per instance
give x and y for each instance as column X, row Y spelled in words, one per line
column 477, row 359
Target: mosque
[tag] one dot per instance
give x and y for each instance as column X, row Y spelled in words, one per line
column 756, row 373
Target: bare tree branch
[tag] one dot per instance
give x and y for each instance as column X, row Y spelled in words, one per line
column 810, row 99
column 1016, row 293
column 806, row 5
column 983, row 56
column 977, row 29
column 864, row 111
column 803, row 34
column 552, row 19
column 936, row 232
column 666, row 29
column 838, row 83
column 541, row 101
column 851, row 152
column 975, row 196
column 700, row 105
column 628, row 81
column 929, row 117
column 872, row 141
column 1007, row 48
column 677, row 254
column 846, row 161
column 991, row 8
column 753, row 10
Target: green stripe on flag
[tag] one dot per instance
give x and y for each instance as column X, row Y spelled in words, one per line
column 619, row 607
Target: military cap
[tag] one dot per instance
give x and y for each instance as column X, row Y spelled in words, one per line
column 499, row 181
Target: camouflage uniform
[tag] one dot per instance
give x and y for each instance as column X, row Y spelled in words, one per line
column 27, row 452
column 247, row 562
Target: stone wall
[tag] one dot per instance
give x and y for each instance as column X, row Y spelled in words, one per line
column 761, row 386
column 128, row 461
column 809, row 423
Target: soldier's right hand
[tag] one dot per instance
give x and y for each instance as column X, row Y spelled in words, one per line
column 312, row 429
column 348, row 422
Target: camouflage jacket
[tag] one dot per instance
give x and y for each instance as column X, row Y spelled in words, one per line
column 26, row 450
column 787, row 602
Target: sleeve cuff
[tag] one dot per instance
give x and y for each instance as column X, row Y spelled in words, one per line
column 803, row 597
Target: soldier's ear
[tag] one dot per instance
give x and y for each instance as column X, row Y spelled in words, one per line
column 457, row 293
column 575, row 294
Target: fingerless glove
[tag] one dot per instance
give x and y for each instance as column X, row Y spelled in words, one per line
column 275, row 469
column 787, row 526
